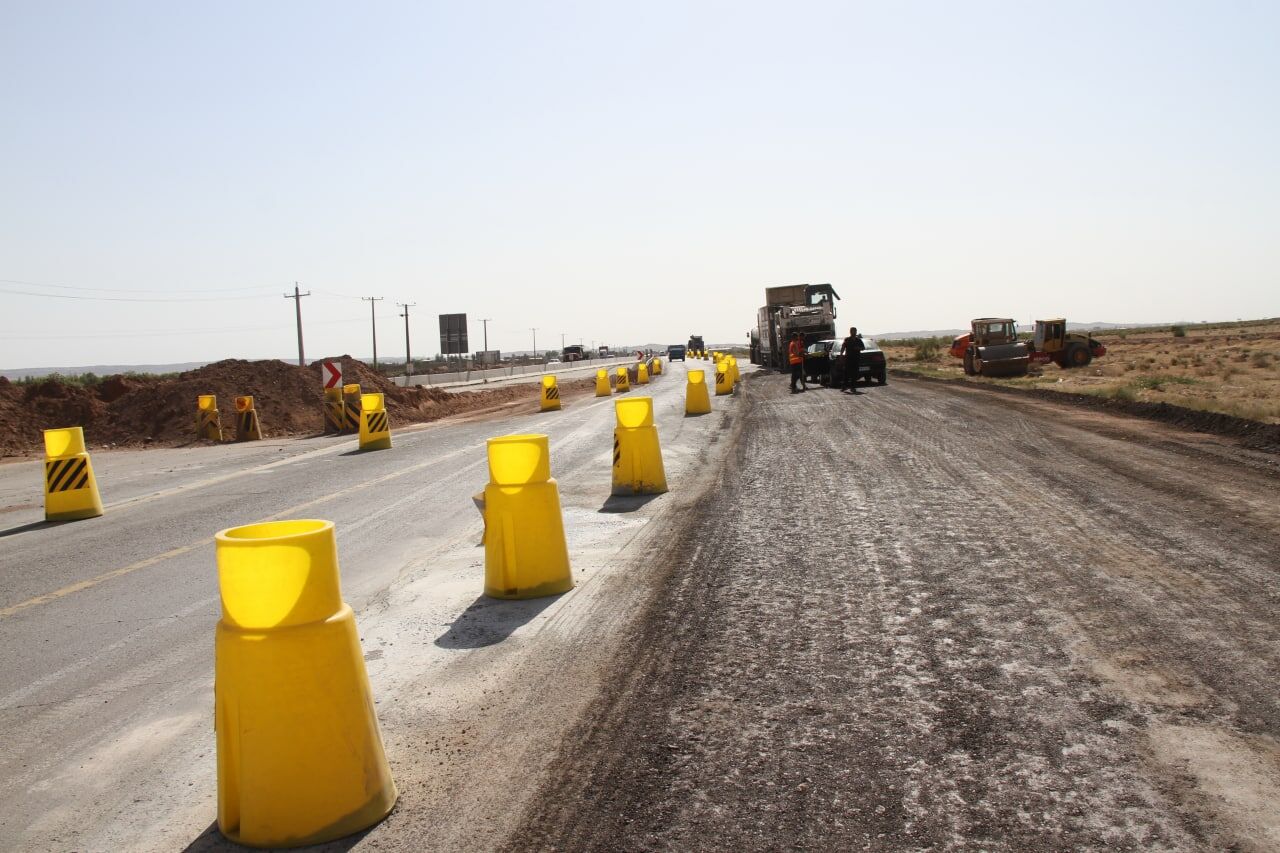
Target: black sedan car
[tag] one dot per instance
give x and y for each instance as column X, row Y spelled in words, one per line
column 824, row 363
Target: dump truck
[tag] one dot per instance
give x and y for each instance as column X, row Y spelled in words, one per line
column 695, row 344
column 809, row 309
column 993, row 348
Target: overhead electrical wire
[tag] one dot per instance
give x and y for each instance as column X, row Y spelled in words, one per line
column 134, row 290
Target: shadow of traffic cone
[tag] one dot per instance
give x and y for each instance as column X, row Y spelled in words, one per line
column 637, row 456
column 550, row 399
column 207, row 422
column 300, row 757
column 70, row 489
column 623, row 382
column 375, row 428
column 247, row 428
column 525, row 554
column 696, row 399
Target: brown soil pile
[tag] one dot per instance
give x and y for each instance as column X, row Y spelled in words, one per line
column 135, row 411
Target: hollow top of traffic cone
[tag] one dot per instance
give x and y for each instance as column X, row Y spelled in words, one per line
column 548, row 381
column 518, row 460
column 63, row 442
column 634, row 412
column 278, row 573
column 602, row 374
column 244, row 404
column 697, row 377
column 352, row 388
column 372, row 403
column 207, row 402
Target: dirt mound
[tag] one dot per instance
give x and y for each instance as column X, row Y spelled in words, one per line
column 138, row 410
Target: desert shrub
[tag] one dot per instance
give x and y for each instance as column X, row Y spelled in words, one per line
column 1122, row 392
column 926, row 350
column 1178, row 331
column 1155, row 383
column 1262, row 359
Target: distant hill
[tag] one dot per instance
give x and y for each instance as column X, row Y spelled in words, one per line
column 100, row 369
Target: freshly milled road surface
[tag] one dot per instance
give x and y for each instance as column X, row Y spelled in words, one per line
column 106, row 625
column 933, row 618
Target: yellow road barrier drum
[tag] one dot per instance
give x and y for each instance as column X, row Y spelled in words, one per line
column 550, row 398
column 697, row 400
column 375, row 427
column 70, row 489
column 208, row 425
column 623, row 382
column 637, row 455
column 300, row 757
column 525, row 553
column 247, row 428
column 603, row 389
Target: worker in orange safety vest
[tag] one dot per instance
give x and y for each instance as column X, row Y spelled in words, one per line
column 795, row 355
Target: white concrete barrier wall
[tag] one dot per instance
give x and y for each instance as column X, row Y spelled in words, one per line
column 511, row 372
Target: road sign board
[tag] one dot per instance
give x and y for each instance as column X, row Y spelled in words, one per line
column 453, row 334
column 331, row 373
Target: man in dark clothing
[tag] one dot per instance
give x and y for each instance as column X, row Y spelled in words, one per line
column 795, row 356
column 852, row 349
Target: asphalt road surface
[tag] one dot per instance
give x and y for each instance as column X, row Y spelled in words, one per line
column 932, row 618
column 921, row 618
column 106, row 625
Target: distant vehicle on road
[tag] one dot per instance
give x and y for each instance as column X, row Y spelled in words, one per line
column 675, row 352
column 695, row 343
column 574, row 352
column 553, row 361
column 823, row 361
column 603, row 352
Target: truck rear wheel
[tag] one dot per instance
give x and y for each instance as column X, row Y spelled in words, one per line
column 969, row 368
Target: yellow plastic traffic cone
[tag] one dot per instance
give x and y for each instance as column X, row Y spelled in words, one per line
column 207, row 422
column 550, row 400
column 70, row 489
column 637, row 455
column 642, row 374
column 657, row 367
column 623, row 382
column 300, row 757
column 247, row 428
column 696, row 399
column 734, row 375
column 525, row 554
column 603, row 388
column 375, row 427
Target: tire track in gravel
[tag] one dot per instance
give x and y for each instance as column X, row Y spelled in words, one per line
column 919, row 620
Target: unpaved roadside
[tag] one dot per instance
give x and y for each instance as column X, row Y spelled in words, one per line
column 931, row 618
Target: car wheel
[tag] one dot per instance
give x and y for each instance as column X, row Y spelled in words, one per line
column 882, row 379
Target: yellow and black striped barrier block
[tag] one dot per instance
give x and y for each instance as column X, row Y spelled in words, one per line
column 70, row 490
column 247, row 428
column 207, row 422
column 623, row 382
column 724, row 383
column 351, row 407
column 375, row 428
column 550, row 399
column 335, row 415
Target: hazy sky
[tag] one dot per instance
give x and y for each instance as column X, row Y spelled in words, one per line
column 623, row 172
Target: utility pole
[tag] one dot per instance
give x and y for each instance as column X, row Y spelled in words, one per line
column 562, row 342
column 297, row 304
column 535, row 341
column 408, row 360
column 486, row 321
column 373, row 300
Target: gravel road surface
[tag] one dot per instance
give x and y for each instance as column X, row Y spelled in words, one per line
column 928, row 618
